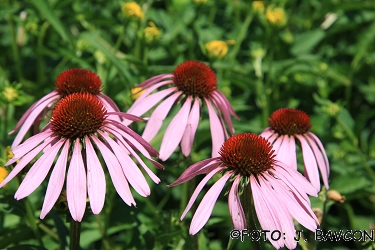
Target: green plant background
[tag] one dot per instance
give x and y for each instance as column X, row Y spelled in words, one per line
column 327, row 72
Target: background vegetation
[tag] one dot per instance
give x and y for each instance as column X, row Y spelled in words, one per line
column 317, row 56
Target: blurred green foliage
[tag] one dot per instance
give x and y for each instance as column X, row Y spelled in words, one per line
column 318, row 56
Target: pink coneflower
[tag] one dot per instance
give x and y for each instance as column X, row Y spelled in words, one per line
column 287, row 125
column 68, row 82
column 279, row 192
column 194, row 85
column 79, row 124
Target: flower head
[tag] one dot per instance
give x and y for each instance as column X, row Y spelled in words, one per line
column 192, row 84
column 79, row 124
column 68, row 82
column 275, row 15
column 152, row 33
column 279, row 192
column 132, row 10
column 258, row 6
column 288, row 125
column 217, row 48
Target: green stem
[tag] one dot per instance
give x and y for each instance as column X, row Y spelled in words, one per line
column 75, row 234
column 15, row 50
column 247, row 204
column 241, row 36
column 102, row 232
column 40, row 73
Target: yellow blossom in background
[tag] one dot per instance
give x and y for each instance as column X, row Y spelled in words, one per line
column 100, row 57
column 132, row 10
column 136, row 92
column 258, row 6
column 10, row 94
column 152, row 33
column 275, row 15
column 3, row 173
column 217, row 48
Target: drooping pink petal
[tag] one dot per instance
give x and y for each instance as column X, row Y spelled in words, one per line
column 202, row 167
column 320, row 155
column 145, row 104
column 23, row 162
column 115, row 171
column 198, row 189
column 158, row 115
column 307, row 219
column 154, row 82
column 311, row 167
column 56, row 181
column 133, row 138
column 217, row 131
column 235, row 207
column 287, row 151
column 267, row 133
column 277, row 210
column 191, row 127
column 38, row 171
column 28, row 145
column 175, row 131
column 229, row 106
column 126, row 116
column 76, row 184
column 95, row 178
column 131, row 171
column 45, row 101
column 144, row 166
column 108, row 103
column 30, row 120
column 221, row 105
column 207, row 204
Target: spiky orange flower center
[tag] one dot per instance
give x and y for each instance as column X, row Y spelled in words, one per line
column 288, row 121
column 247, row 154
column 78, row 115
column 195, row 79
column 78, row 81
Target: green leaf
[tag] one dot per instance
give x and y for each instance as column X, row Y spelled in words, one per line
column 306, row 42
column 350, row 183
column 47, row 12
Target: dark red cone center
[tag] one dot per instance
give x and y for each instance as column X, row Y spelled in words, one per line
column 247, row 154
column 195, row 79
column 78, row 81
column 77, row 115
column 288, row 121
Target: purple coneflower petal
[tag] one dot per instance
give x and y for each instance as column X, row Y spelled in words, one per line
column 76, row 184
column 207, row 204
column 38, row 171
column 199, row 188
column 148, row 102
column 126, row 116
column 309, row 160
column 155, row 80
column 131, row 171
column 175, row 131
column 158, row 115
column 222, row 105
column 115, row 171
column 294, row 207
column 23, row 162
column 191, row 128
column 319, row 153
column 229, row 106
column 28, row 145
column 267, row 133
column 56, row 181
column 45, row 101
column 29, row 121
column 217, row 133
column 277, row 210
column 95, row 178
column 235, row 207
column 286, row 151
column 108, row 103
column 202, row 167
